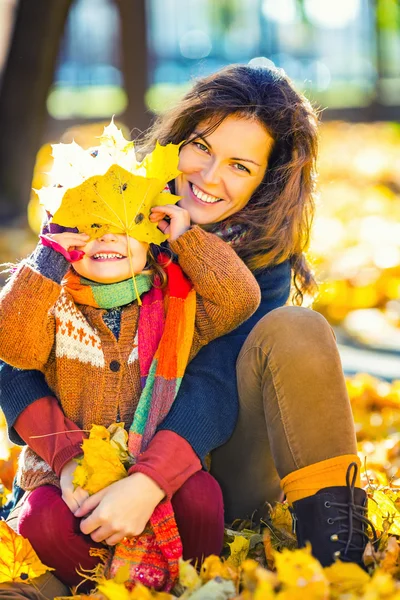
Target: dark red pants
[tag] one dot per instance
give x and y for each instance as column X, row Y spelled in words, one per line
column 46, row 521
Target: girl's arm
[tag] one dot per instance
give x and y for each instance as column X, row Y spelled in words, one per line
column 47, row 431
column 228, row 293
column 27, row 326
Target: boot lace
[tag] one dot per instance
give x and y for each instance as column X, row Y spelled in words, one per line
column 348, row 513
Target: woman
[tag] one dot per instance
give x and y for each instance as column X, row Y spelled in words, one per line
column 248, row 173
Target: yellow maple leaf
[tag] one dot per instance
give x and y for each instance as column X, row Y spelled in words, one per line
column 113, row 590
column 213, row 566
column 383, row 513
column 346, row 577
column 101, row 464
column 188, row 576
column 299, row 570
column 105, row 189
column 18, row 560
column 239, row 550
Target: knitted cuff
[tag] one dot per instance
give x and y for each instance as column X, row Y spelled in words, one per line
column 64, row 456
column 48, row 262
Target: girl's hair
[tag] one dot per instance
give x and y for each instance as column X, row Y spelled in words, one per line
column 154, row 268
column 278, row 216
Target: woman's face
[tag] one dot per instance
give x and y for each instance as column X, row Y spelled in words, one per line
column 222, row 170
column 107, row 260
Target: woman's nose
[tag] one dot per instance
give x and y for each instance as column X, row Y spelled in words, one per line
column 211, row 172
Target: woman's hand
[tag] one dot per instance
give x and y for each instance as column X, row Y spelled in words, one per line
column 178, row 220
column 120, row 510
column 73, row 498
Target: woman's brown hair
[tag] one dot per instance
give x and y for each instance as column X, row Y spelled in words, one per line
column 278, row 216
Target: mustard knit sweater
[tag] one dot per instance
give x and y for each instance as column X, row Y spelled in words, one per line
column 95, row 376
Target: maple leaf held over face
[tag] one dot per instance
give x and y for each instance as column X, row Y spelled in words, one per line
column 105, row 189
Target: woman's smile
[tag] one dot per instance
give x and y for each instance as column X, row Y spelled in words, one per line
column 201, row 196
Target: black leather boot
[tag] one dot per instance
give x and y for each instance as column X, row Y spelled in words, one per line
column 334, row 521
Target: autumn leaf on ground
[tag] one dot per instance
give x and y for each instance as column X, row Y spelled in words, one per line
column 213, row 566
column 299, row 570
column 18, row 560
column 105, row 189
column 381, row 509
column 188, row 576
column 101, row 464
column 239, row 550
column 346, row 577
column 258, row 583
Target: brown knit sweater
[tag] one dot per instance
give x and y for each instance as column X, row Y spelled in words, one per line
column 95, row 376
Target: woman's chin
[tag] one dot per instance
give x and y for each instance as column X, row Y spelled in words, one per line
column 202, row 214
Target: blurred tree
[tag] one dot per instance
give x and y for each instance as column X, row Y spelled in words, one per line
column 26, row 80
column 28, row 76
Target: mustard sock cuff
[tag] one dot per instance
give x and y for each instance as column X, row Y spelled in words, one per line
column 326, row 473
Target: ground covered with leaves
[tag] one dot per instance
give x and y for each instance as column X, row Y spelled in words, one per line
column 263, row 562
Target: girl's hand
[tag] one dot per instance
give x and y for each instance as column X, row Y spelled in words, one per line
column 66, row 243
column 73, row 498
column 120, row 510
column 178, row 219
column 69, row 241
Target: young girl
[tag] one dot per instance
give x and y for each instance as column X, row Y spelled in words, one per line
column 83, row 328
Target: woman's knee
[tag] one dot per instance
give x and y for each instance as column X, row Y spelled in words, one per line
column 290, row 326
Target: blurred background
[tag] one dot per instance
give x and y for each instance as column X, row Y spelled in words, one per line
column 66, row 66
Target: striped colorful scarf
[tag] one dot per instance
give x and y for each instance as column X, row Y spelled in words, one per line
column 165, row 340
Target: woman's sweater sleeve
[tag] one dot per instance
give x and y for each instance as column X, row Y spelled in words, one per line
column 227, row 292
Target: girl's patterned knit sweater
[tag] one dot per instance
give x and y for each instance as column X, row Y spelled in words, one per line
column 95, row 376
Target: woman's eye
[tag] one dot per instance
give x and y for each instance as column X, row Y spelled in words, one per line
column 201, row 146
column 241, row 167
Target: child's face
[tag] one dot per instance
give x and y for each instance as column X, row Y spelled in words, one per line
column 106, row 259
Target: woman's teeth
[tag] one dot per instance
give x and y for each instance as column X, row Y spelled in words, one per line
column 202, row 196
column 108, row 256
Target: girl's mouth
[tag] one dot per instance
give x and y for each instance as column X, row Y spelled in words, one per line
column 103, row 256
column 201, row 196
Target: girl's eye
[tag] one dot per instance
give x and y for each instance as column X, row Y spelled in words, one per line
column 201, row 146
column 241, row 167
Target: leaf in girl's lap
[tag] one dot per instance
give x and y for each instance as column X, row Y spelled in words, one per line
column 101, row 463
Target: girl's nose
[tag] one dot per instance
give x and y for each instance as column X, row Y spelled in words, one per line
column 109, row 237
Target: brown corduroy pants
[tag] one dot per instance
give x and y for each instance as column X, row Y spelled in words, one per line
column 294, row 409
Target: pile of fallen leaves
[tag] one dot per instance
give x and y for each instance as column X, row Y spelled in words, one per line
column 262, row 562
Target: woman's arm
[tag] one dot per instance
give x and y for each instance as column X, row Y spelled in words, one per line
column 18, row 390
column 227, row 292
column 205, row 410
